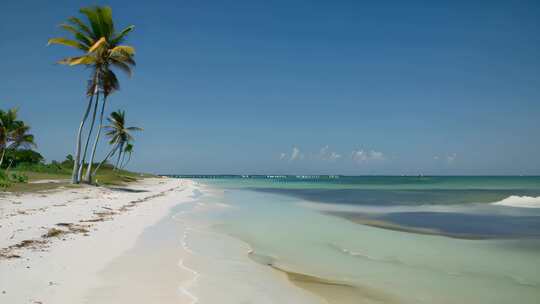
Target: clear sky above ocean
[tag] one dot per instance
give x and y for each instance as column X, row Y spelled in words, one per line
column 305, row 87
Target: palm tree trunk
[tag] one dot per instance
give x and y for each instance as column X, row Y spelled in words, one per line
column 111, row 153
column 88, row 177
column 2, row 158
column 119, row 155
column 74, row 174
column 81, row 166
column 129, row 158
column 9, row 166
column 123, row 160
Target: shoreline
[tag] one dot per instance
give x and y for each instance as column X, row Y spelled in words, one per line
column 53, row 244
column 127, row 245
column 182, row 259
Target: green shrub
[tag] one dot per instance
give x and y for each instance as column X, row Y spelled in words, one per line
column 14, row 177
column 4, row 180
column 17, row 157
column 18, row 178
column 68, row 162
column 43, row 168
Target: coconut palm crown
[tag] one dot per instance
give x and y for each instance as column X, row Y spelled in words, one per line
column 101, row 45
column 119, row 136
column 117, row 131
column 13, row 133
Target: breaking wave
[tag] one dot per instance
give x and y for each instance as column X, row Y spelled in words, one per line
column 520, row 201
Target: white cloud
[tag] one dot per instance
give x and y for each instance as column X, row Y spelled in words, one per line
column 325, row 154
column 376, row 155
column 445, row 158
column 324, row 151
column 361, row 156
column 334, row 156
column 296, row 154
column 449, row 158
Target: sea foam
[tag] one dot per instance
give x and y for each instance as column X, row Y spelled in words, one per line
column 520, row 201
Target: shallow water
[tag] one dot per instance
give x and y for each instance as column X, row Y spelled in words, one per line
column 182, row 259
column 292, row 231
column 246, row 240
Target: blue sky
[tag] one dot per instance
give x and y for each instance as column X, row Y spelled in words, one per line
column 301, row 87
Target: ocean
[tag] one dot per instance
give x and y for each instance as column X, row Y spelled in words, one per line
column 367, row 239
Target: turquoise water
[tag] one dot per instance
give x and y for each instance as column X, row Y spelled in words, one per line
column 475, row 252
column 380, row 182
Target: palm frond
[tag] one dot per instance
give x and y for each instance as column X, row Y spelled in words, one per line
column 93, row 18
column 83, row 27
column 105, row 17
column 117, row 131
column 82, row 38
column 121, row 36
column 109, row 82
column 128, row 148
column 11, row 115
column 14, row 132
column 123, row 58
column 98, row 44
column 81, row 60
column 122, row 66
column 67, row 42
column 124, row 50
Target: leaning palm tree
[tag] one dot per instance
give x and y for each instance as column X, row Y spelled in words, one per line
column 129, row 151
column 119, row 135
column 13, row 133
column 102, row 50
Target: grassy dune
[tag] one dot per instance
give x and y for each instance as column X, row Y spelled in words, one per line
column 47, row 177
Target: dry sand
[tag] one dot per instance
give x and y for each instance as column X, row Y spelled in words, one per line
column 54, row 244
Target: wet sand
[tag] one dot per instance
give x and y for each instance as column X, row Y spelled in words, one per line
column 335, row 292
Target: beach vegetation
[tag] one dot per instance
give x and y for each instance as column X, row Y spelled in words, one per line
column 120, row 136
column 16, row 157
column 15, row 144
column 14, row 134
column 4, row 181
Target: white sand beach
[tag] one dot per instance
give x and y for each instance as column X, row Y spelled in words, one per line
column 87, row 228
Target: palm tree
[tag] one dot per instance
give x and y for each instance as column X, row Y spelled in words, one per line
column 119, row 135
column 127, row 150
column 13, row 133
column 102, row 50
